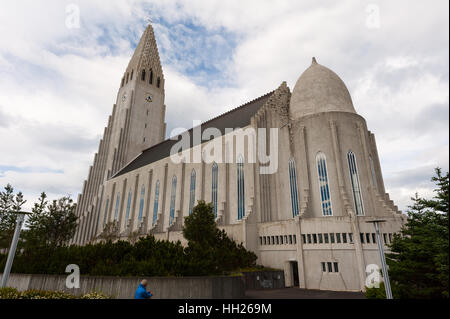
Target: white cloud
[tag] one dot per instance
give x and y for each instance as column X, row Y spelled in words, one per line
column 58, row 85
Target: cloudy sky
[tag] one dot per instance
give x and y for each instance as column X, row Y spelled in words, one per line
column 58, row 81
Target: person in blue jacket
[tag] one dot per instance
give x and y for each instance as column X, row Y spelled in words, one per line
column 141, row 291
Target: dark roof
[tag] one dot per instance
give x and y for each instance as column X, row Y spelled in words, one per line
column 237, row 118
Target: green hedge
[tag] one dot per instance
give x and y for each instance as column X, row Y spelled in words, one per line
column 11, row 293
column 148, row 257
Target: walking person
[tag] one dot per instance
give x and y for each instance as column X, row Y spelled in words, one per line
column 141, row 291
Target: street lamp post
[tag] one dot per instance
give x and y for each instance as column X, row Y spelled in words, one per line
column 387, row 283
column 12, row 250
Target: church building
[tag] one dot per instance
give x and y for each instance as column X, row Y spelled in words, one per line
column 293, row 175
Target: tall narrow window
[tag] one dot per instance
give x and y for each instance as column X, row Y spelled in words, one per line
column 294, row 190
column 151, row 77
column 105, row 216
column 156, row 203
column 158, row 83
column 192, row 191
column 127, row 217
column 374, row 175
column 116, row 211
column 173, row 195
column 214, row 186
column 132, row 73
column 141, row 203
column 143, row 75
column 128, row 77
column 240, row 188
column 323, row 184
column 356, row 186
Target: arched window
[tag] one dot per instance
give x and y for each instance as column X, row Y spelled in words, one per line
column 156, row 203
column 192, row 191
column 141, row 203
column 123, row 82
column 106, row 211
column 127, row 216
column 151, row 76
column 356, row 186
column 240, row 188
column 143, row 75
column 214, row 187
column 173, row 195
column 374, row 175
column 128, row 77
column 294, row 190
column 323, row 184
column 116, row 211
column 158, row 83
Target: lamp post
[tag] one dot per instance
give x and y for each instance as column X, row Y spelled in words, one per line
column 387, row 283
column 12, row 250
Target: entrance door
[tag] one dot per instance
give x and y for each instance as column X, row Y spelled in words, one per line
column 294, row 269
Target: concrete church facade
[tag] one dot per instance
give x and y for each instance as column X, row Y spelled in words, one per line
column 308, row 216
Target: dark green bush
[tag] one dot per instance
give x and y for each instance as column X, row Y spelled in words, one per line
column 214, row 253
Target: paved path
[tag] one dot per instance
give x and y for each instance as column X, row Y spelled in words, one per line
column 296, row 293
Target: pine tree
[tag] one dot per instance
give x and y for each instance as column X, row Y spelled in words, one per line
column 419, row 258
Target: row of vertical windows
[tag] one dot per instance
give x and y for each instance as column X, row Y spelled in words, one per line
column 371, row 238
column 240, row 188
column 127, row 78
column 278, row 240
column 330, row 267
column 328, row 238
column 324, row 186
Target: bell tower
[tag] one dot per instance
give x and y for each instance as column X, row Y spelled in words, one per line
column 139, row 113
column 137, row 122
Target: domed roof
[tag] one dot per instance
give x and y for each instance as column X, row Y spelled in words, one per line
column 319, row 90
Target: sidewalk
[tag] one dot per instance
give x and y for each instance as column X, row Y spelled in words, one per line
column 297, row 293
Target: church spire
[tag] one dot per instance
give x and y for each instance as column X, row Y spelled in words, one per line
column 146, row 55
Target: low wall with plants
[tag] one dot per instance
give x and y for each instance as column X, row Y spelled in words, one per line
column 124, row 288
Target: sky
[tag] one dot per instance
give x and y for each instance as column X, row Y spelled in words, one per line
column 61, row 63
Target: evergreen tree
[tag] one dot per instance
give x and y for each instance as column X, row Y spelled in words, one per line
column 51, row 224
column 10, row 205
column 419, row 258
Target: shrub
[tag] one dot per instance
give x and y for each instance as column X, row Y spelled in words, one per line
column 209, row 252
column 11, row 293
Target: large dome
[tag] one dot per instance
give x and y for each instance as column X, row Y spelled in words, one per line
column 319, row 90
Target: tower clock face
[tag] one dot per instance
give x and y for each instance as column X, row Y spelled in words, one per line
column 149, row 98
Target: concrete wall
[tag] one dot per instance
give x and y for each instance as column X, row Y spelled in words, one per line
column 124, row 288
